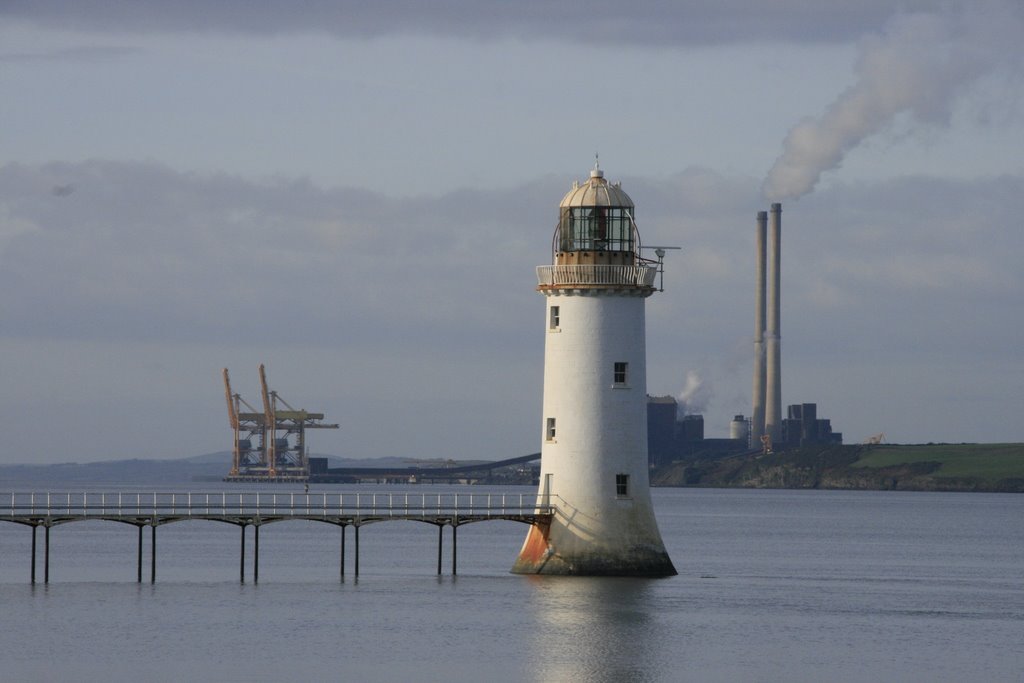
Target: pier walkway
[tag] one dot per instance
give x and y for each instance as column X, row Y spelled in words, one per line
column 255, row 508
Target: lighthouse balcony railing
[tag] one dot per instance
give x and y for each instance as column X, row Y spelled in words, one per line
column 596, row 275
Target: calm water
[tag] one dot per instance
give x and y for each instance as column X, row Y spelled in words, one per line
column 772, row 586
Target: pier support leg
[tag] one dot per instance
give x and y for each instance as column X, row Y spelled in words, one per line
column 455, row 547
column 342, row 574
column 256, row 554
column 139, row 572
column 241, row 564
column 152, row 554
column 440, row 537
column 46, row 555
column 357, row 551
column 34, row 527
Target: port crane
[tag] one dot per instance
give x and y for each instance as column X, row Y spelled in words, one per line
column 249, row 429
column 269, row 444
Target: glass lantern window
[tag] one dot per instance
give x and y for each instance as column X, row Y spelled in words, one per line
column 596, row 228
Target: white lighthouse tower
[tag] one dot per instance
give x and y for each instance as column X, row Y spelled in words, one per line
column 594, row 444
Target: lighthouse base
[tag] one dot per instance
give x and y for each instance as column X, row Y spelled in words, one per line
column 572, row 556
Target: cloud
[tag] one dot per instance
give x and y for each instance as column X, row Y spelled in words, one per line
column 381, row 311
column 89, row 53
column 658, row 22
column 913, row 264
column 142, row 252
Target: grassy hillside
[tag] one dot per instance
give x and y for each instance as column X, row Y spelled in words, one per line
column 932, row 467
column 990, row 462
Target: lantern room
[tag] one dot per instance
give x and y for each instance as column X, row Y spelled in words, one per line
column 596, row 225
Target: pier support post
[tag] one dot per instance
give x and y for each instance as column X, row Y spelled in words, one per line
column 342, row 574
column 356, row 572
column 139, row 566
column 455, row 546
column 440, row 538
column 241, row 563
column 34, row 527
column 152, row 553
column 256, row 554
column 46, row 555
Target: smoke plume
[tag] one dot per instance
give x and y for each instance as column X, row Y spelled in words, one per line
column 919, row 65
column 695, row 396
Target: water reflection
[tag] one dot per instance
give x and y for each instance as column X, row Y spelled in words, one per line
column 595, row 629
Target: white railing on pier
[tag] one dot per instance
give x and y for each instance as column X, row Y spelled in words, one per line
column 632, row 276
column 402, row 505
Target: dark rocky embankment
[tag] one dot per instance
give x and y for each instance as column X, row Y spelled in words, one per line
column 822, row 467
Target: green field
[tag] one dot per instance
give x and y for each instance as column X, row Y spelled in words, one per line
column 989, row 462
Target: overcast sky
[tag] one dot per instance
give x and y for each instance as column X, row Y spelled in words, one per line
column 357, row 195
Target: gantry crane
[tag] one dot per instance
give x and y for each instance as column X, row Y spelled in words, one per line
column 250, row 432
column 280, row 434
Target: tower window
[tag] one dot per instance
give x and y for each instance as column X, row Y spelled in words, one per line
column 549, row 432
column 621, row 485
column 620, row 373
column 553, row 318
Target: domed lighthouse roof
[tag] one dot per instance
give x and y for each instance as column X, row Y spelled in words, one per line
column 596, row 191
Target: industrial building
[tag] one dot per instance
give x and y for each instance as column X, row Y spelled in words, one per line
column 269, row 445
column 802, row 427
column 672, row 437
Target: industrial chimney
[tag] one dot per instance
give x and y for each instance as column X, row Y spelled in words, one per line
column 757, row 417
column 773, row 391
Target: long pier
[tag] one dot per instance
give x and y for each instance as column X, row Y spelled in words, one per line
column 255, row 508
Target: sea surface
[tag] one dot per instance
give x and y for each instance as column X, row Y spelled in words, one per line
column 772, row 586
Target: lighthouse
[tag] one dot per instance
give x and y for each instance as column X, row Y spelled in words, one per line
column 594, row 470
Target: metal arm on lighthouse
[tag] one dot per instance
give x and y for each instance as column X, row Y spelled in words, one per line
column 660, row 253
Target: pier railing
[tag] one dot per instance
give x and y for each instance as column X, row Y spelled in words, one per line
column 38, row 506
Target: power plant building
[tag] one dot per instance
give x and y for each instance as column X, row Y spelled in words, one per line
column 673, row 438
column 661, row 429
column 802, row 427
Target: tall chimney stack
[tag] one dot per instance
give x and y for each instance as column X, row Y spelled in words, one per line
column 773, row 393
column 757, row 417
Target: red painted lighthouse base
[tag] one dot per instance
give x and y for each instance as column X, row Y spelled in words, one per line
column 541, row 554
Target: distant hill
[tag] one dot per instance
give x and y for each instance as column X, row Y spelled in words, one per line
column 119, row 472
column 206, row 468
column 929, row 467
